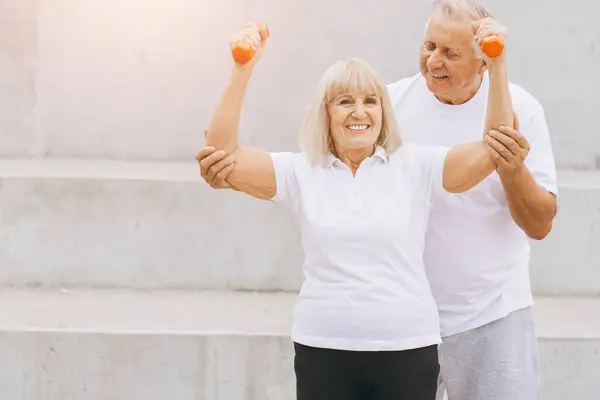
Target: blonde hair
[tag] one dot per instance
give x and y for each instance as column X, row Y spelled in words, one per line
column 345, row 77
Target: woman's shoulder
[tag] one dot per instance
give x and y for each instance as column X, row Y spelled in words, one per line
column 298, row 162
column 412, row 154
column 287, row 155
column 405, row 152
column 303, row 160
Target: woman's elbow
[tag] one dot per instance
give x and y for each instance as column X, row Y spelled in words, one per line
column 213, row 140
column 539, row 232
column 453, row 186
column 456, row 189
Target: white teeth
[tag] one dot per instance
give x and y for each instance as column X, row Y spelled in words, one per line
column 358, row 127
column 438, row 76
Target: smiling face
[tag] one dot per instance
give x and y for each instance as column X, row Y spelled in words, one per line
column 355, row 121
column 448, row 61
column 349, row 116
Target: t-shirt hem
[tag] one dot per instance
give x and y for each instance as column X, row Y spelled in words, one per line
column 367, row 345
column 491, row 317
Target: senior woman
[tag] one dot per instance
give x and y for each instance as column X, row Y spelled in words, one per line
column 365, row 322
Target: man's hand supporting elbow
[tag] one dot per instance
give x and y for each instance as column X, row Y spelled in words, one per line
column 215, row 166
column 532, row 207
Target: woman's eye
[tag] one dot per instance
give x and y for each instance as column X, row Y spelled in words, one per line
column 371, row 101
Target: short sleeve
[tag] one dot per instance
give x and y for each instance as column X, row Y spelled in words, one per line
column 428, row 168
column 286, row 180
column 540, row 160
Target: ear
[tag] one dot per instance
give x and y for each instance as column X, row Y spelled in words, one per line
column 482, row 68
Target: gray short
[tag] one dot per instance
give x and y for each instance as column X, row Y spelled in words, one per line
column 498, row 361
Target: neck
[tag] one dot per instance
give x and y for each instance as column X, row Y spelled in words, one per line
column 463, row 94
column 354, row 157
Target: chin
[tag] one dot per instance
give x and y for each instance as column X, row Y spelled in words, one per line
column 437, row 88
column 361, row 143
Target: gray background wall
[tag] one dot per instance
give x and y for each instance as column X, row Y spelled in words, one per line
column 139, row 79
column 88, row 87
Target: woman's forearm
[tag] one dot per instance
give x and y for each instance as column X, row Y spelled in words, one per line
column 253, row 170
column 499, row 105
column 222, row 133
column 468, row 164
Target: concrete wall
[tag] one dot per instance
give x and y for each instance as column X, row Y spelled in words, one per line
column 139, row 78
column 104, row 224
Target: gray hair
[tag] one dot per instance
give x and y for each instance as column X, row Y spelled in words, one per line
column 460, row 8
column 454, row 9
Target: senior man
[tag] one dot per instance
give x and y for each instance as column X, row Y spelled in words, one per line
column 477, row 251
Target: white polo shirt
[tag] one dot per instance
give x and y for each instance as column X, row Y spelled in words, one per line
column 476, row 257
column 365, row 284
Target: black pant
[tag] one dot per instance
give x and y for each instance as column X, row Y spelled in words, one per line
column 324, row 374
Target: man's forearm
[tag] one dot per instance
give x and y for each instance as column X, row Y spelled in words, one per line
column 532, row 207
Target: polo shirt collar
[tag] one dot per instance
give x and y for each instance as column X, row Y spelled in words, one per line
column 379, row 153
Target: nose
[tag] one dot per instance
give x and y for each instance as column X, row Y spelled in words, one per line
column 434, row 60
column 359, row 110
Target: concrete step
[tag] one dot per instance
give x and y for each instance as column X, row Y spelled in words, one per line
column 138, row 225
column 74, row 223
column 129, row 345
column 145, row 88
column 567, row 261
column 98, row 345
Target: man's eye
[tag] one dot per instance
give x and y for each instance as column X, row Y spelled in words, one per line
column 430, row 46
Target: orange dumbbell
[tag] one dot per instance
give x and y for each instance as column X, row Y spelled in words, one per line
column 492, row 46
column 243, row 52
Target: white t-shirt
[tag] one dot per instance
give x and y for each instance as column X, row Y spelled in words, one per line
column 365, row 285
column 476, row 257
